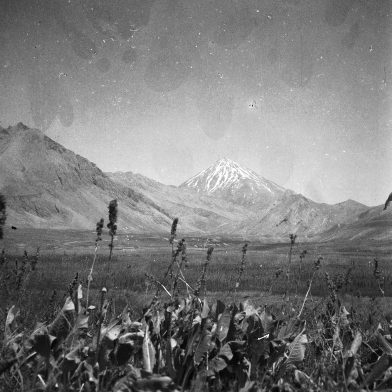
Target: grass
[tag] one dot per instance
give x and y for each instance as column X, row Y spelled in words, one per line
column 272, row 332
column 55, row 270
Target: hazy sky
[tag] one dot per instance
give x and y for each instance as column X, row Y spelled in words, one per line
column 297, row 90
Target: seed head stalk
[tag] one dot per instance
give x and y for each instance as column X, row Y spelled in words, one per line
column 112, row 226
column 201, row 282
column 169, row 271
column 379, row 278
column 90, row 275
column 100, row 321
column 241, row 269
column 316, row 267
column 181, row 248
column 3, row 215
column 293, row 237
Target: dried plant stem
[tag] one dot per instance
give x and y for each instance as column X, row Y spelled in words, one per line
column 157, row 283
column 293, row 237
column 90, row 275
column 201, row 281
column 306, row 295
column 241, row 269
column 112, row 226
column 180, row 249
column 188, row 286
column 103, row 294
column 111, row 248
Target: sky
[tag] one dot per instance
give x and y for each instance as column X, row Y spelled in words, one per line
column 297, row 90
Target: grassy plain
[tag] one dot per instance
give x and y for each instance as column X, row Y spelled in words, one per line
column 193, row 343
column 65, row 253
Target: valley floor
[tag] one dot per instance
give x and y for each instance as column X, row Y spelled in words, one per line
column 62, row 254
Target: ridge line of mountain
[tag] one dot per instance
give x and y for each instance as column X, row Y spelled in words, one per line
column 51, row 186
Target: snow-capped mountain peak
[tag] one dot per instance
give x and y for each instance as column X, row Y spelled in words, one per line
column 229, row 177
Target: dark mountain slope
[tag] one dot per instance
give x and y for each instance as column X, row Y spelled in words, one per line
column 47, row 185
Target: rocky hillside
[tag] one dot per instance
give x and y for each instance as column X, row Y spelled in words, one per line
column 199, row 213
column 215, row 214
column 48, row 186
column 373, row 224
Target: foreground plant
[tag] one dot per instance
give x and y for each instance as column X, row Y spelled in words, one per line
column 3, row 215
column 188, row 343
column 99, row 229
column 112, row 225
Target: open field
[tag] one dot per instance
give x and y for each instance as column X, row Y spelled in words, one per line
column 65, row 253
column 273, row 332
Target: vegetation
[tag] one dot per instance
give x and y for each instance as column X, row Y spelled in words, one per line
column 136, row 326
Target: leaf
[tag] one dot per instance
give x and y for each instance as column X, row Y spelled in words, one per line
column 112, row 331
column 80, row 292
column 248, row 386
column 226, row 352
column 220, row 308
column 153, row 383
column 124, row 352
column 128, row 344
column 206, row 309
column 196, row 321
column 223, row 325
column 82, row 321
column 90, row 372
column 69, row 305
column 131, row 336
column 74, row 355
column 343, row 317
column 378, row 369
column 10, row 322
column 337, row 342
column 62, row 324
column 300, row 377
column 248, row 308
column 297, row 349
column 239, row 317
column 350, row 355
column 156, row 321
column 42, row 342
column 291, row 329
column 125, row 319
column 193, row 340
column 356, row 343
column 202, row 347
column 216, row 365
column 254, row 328
column 385, row 345
column 267, row 321
column 148, row 353
column 126, row 383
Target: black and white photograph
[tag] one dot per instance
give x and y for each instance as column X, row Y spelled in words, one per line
column 195, row 195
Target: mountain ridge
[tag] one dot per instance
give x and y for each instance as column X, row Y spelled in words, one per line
column 227, row 179
column 47, row 185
